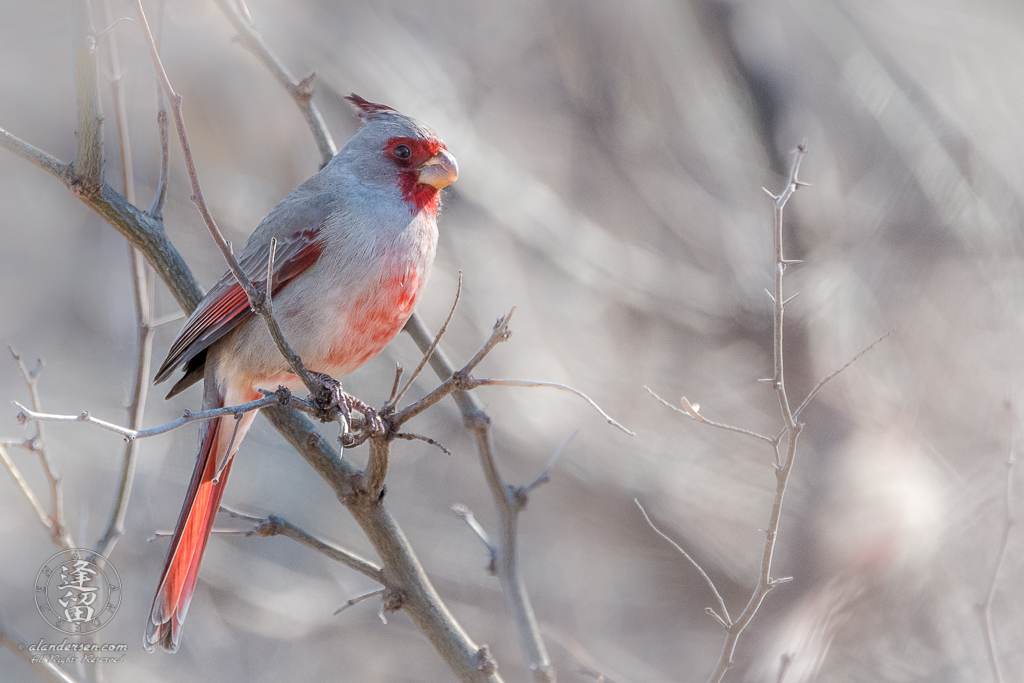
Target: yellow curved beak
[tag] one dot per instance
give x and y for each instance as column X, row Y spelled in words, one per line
column 440, row 170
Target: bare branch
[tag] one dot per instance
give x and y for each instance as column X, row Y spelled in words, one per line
column 58, row 525
column 156, row 209
column 430, row 351
column 694, row 415
column 394, row 387
column 545, row 476
column 277, row 526
column 280, row 397
column 167, row 319
column 588, row 663
column 724, row 617
column 300, row 91
column 37, row 157
column 825, row 380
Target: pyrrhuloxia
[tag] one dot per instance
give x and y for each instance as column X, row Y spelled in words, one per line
column 354, row 246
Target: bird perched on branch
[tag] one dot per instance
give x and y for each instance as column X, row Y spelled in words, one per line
column 354, row 246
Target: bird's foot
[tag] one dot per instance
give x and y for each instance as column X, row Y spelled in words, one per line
column 329, row 397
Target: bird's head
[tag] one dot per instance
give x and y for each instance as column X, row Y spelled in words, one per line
column 393, row 150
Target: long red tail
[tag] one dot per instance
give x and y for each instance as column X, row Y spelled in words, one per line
column 178, row 581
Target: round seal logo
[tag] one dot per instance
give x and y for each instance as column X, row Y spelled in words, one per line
column 77, row 591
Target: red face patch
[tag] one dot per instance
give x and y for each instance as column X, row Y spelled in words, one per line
column 409, row 154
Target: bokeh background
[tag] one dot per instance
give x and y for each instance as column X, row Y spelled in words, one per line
column 612, row 156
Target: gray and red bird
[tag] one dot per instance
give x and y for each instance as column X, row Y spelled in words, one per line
column 354, row 247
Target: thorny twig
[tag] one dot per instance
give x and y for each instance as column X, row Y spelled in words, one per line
column 724, row 619
column 765, row 582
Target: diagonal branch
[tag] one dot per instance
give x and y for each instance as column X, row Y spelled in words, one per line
column 300, row 91
column 430, row 350
column 825, row 380
column 724, row 617
column 274, row 525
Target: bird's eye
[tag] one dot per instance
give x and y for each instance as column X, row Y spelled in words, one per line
column 402, row 152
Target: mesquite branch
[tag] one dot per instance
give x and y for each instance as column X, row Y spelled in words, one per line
column 790, row 432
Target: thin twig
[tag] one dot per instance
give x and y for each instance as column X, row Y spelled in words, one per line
column 985, row 608
column 545, row 476
column 470, row 519
column 358, row 599
column 26, row 490
column 394, row 386
column 59, row 533
column 430, row 351
column 167, row 319
column 273, row 399
column 456, row 380
column 696, row 416
column 820, row 384
column 724, row 617
column 156, row 209
column 478, row 382
column 588, row 663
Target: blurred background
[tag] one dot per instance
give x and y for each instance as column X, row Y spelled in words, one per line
column 612, row 156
